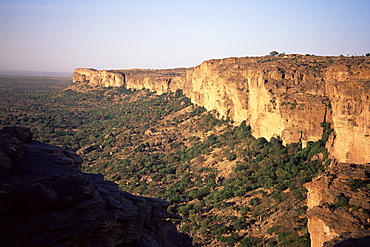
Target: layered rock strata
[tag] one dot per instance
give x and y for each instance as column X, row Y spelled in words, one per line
column 101, row 78
column 291, row 96
column 286, row 96
column 339, row 206
column 45, row 200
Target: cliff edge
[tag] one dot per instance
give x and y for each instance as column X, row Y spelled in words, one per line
column 287, row 96
column 46, row 200
column 293, row 97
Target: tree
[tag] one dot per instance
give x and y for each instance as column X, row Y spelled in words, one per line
column 274, row 53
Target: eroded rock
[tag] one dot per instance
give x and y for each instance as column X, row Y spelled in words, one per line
column 287, row 96
column 339, row 204
column 46, row 200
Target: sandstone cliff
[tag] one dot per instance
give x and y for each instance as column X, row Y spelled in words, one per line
column 102, row 78
column 45, row 200
column 339, row 206
column 286, row 96
column 290, row 96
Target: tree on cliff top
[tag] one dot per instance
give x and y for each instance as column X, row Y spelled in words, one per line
column 274, row 53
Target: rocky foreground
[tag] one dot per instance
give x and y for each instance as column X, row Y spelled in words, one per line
column 339, row 206
column 45, row 200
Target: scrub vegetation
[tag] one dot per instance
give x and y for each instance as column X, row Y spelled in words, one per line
column 231, row 188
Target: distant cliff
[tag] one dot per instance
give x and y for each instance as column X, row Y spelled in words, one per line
column 287, row 96
column 99, row 78
column 45, row 200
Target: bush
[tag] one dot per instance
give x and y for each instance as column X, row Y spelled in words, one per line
column 341, row 201
column 301, row 210
column 231, row 156
column 254, row 201
column 240, row 223
column 355, row 184
column 203, row 231
column 274, row 53
column 249, row 242
column 272, row 242
column 230, row 240
column 273, row 229
column 277, row 196
column 245, row 210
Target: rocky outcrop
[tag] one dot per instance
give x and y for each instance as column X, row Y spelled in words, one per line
column 45, row 200
column 348, row 87
column 287, row 96
column 339, row 205
column 358, row 239
column 102, row 78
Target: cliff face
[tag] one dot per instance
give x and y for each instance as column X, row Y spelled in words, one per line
column 46, row 200
column 348, row 88
column 290, row 96
column 278, row 96
column 339, row 205
column 269, row 96
column 101, row 78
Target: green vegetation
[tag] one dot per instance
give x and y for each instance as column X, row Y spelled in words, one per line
column 355, row 184
column 341, row 201
column 224, row 182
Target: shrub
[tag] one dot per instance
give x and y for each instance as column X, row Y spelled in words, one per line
column 231, row 156
column 272, row 242
column 203, row 231
column 277, row 196
column 274, row 53
column 245, row 210
column 249, row 242
column 341, row 201
column 273, row 229
column 240, row 223
column 254, row 201
column 355, row 184
column 301, row 210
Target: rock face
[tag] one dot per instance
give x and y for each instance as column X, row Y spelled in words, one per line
column 339, row 205
column 287, row 96
column 102, row 78
column 46, row 200
column 290, row 96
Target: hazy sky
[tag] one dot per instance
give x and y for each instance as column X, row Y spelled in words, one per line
column 60, row 35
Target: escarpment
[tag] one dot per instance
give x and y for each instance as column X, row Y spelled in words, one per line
column 99, row 78
column 287, row 96
column 294, row 97
column 45, row 200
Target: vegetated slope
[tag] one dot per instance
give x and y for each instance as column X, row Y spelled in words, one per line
column 230, row 188
column 287, row 96
column 47, row 201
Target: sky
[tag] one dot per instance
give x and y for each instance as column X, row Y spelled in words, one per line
column 61, row 35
